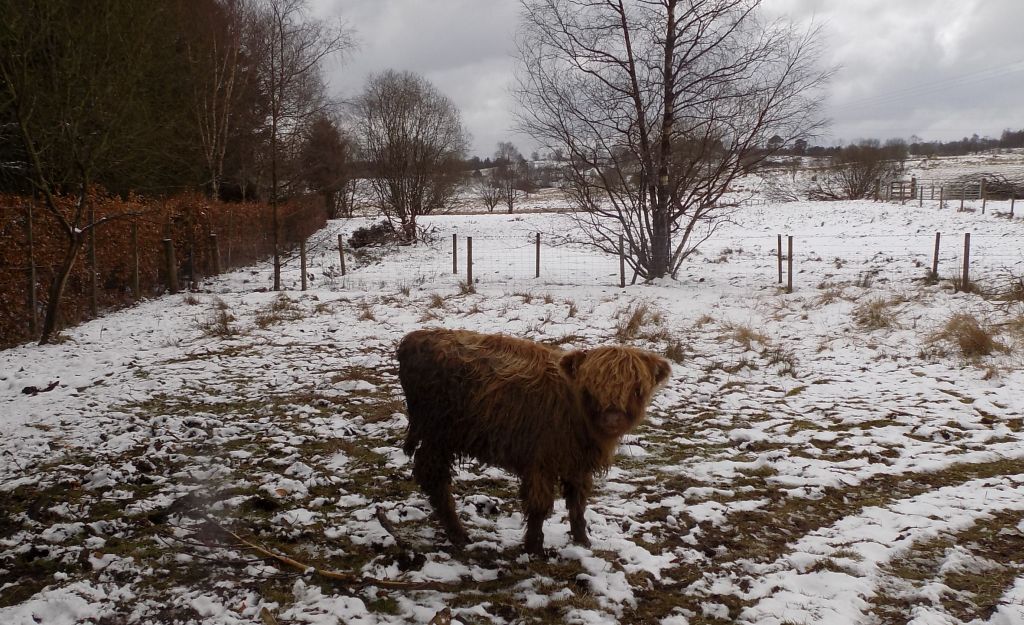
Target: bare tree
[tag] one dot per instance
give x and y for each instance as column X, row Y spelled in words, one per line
column 511, row 173
column 856, row 171
column 489, row 191
column 291, row 47
column 414, row 144
column 215, row 48
column 659, row 106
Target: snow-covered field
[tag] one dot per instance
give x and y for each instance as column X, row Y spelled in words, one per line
column 825, row 456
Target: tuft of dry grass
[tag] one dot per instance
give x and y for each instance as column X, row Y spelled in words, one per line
column 745, row 335
column 675, row 351
column 191, row 300
column 282, row 308
column 633, row 319
column 786, row 358
column 436, row 300
column 465, row 288
column 366, row 312
column 875, row 313
column 702, row 321
column 973, row 339
column 220, row 322
column 573, row 309
column 526, row 295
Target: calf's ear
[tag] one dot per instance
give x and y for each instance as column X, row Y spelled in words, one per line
column 570, row 363
column 661, row 370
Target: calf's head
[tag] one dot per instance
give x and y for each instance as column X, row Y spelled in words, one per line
column 615, row 385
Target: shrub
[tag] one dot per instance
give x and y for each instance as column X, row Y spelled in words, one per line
column 379, row 233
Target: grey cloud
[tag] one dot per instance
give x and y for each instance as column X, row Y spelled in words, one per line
column 935, row 68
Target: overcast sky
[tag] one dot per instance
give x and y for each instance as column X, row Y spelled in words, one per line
column 938, row 69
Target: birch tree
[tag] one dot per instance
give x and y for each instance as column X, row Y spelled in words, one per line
column 659, row 106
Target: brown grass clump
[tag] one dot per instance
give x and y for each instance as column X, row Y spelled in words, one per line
column 220, row 322
column 282, row 308
column 745, row 335
column 969, row 335
column 634, row 318
column 436, row 301
column 675, row 351
column 366, row 312
column 875, row 313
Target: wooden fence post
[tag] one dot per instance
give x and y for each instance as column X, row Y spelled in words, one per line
column 1013, row 200
column 963, row 196
column 33, row 291
column 170, row 266
column 622, row 262
column 135, row 259
column 967, row 262
column 94, row 299
column 214, row 254
column 942, row 197
column 780, row 258
column 469, row 261
column 920, row 196
column 231, row 232
column 302, row 262
column 789, row 284
column 538, row 256
column 455, row 253
column 935, row 258
column 341, row 252
column 878, row 188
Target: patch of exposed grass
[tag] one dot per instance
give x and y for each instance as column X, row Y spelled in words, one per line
column 990, row 560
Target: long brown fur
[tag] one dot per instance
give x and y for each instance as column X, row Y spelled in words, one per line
column 550, row 416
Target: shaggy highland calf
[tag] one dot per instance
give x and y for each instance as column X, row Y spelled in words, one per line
column 549, row 416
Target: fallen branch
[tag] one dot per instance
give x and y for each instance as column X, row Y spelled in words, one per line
column 337, row 576
column 389, row 527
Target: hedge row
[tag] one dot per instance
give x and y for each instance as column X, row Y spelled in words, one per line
column 243, row 232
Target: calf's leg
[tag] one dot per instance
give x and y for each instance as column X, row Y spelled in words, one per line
column 537, row 493
column 433, row 473
column 576, row 493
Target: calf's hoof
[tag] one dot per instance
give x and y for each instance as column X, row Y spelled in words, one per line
column 459, row 538
column 534, row 547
